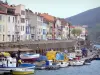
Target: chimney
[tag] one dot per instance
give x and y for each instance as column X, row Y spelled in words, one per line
column 35, row 13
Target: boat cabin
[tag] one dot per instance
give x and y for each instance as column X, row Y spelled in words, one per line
column 7, row 62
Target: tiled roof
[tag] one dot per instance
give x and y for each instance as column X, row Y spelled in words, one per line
column 7, row 6
column 72, row 26
column 48, row 17
column 1, row 12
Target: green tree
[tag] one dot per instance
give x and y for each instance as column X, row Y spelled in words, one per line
column 76, row 31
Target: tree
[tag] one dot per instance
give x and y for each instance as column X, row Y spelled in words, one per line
column 73, row 32
column 76, row 31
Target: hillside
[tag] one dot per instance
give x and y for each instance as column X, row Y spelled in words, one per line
column 90, row 18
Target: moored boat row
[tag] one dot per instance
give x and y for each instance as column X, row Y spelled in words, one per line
column 53, row 60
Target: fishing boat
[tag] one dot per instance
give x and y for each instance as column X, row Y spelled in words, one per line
column 63, row 64
column 8, row 64
column 87, row 62
column 29, row 57
column 78, row 63
column 22, row 71
column 51, row 66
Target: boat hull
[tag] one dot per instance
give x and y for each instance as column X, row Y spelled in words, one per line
column 77, row 63
column 62, row 65
column 9, row 69
column 24, row 72
column 96, row 58
column 29, row 58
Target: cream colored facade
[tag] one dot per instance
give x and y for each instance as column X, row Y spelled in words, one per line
column 3, row 28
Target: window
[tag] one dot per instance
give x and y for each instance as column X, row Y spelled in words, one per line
column 22, row 20
column 0, row 36
column 23, row 28
column 9, row 19
column 12, row 37
column 0, row 17
column 32, row 36
column 22, row 12
column 0, row 28
column 3, row 37
column 13, row 19
column 8, row 37
column 18, row 21
column 44, row 31
column 3, row 28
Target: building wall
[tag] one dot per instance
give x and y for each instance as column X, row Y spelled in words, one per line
column 49, row 31
column 3, row 32
column 58, row 29
column 18, row 10
column 44, row 31
column 17, row 27
column 3, row 8
column 10, row 28
column 65, row 32
column 27, row 30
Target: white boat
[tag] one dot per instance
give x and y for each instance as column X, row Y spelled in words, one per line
column 8, row 63
column 63, row 64
column 29, row 56
column 78, row 63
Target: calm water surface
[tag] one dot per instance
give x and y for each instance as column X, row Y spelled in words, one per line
column 93, row 69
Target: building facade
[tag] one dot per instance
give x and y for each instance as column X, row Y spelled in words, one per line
column 58, row 29
column 44, row 30
column 9, row 19
column 20, row 9
column 65, row 29
column 50, row 26
column 3, row 32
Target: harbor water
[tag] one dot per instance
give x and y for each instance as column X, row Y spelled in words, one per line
column 92, row 69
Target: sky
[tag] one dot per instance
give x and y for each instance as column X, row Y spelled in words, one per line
column 58, row 8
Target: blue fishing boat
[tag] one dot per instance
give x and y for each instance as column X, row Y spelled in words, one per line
column 9, row 63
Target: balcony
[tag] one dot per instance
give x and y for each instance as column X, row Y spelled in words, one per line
column 11, row 11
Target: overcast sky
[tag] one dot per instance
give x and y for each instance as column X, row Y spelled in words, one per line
column 58, row 8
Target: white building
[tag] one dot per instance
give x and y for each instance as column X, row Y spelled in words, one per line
column 3, row 32
column 20, row 9
column 8, row 23
column 58, row 29
column 65, row 29
column 10, row 28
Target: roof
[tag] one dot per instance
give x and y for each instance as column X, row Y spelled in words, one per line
column 7, row 6
column 63, row 22
column 48, row 17
column 1, row 12
column 72, row 26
